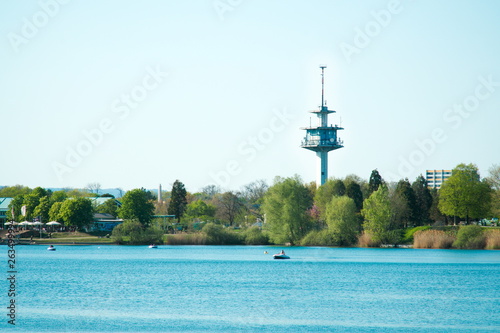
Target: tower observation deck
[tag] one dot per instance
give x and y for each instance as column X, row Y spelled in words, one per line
column 322, row 138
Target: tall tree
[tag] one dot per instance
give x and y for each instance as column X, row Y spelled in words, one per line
column 136, row 205
column 403, row 205
column 353, row 191
column 494, row 181
column 286, row 206
column 253, row 196
column 464, row 194
column 42, row 210
column 200, row 208
column 229, row 205
column 54, row 211
column 77, row 212
column 423, row 200
column 343, row 221
column 15, row 206
column 325, row 193
column 178, row 201
column 377, row 213
column 375, row 181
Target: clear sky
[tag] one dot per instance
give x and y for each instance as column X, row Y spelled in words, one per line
column 137, row 93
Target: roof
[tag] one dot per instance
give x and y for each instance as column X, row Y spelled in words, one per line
column 4, row 203
column 101, row 200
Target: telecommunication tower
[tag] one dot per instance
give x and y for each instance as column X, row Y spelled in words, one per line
column 322, row 138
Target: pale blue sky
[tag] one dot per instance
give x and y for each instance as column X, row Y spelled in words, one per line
column 216, row 91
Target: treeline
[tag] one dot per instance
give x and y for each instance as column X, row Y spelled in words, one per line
column 342, row 212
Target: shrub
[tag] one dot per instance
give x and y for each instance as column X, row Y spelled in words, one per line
column 432, row 239
column 470, row 237
column 493, row 239
column 136, row 233
column 255, row 236
column 318, row 238
column 217, row 235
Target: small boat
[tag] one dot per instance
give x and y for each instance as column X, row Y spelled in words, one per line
column 51, row 248
column 280, row 256
column 153, row 246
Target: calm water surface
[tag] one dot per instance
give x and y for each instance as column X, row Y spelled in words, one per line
column 241, row 289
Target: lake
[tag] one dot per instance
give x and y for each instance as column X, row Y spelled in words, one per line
column 242, row 289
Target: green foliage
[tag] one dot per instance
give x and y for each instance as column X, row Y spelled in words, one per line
column 218, row 235
column 377, row 213
column 470, row 237
column 318, row 238
column 423, row 201
column 58, row 196
column 375, row 182
column 136, row 205
column 200, row 208
column 464, row 194
column 77, row 212
column 43, row 208
column 136, row 233
column 408, row 237
column 109, row 206
column 16, row 204
column 286, row 206
column 54, row 211
column 14, row 191
column 403, row 205
column 353, row 191
column 343, row 221
column 325, row 193
column 255, row 236
column 178, row 201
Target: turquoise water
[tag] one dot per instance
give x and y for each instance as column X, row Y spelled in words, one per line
column 241, row 289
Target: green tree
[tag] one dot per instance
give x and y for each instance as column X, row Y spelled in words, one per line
column 178, row 201
column 200, row 208
column 375, row 182
column 377, row 213
column 343, row 220
column 58, row 196
column 15, row 205
column 54, row 211
column 423, row 201
column 136, row 205
column 494, row 181
column 353, row 191
column 14, row 191
column 77, row 212
column 325, row 193
column 109, row 206
column 403, row 205
column 464, row 194
column 43, row 208
column 286, row 206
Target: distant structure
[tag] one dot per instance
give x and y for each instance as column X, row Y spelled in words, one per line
column 322, row 138
column 436, row 178
column 159, row 194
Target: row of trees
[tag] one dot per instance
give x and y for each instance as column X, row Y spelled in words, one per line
column 336, row 213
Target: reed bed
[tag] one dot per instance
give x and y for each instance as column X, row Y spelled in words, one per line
column 186, row 239
column 432, row 239
column 493, row 239
column 366, row 240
